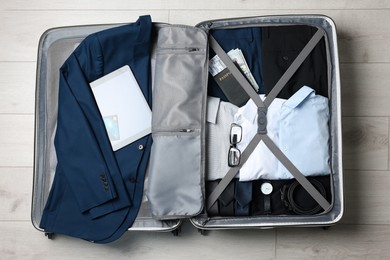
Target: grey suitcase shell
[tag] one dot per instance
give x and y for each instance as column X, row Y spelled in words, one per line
column 56, row 45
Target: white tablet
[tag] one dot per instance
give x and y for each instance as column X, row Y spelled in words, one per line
column 126, row 114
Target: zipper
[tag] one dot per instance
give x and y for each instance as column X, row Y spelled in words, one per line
column 241, row 22
column 186, row 131
column 180, row 50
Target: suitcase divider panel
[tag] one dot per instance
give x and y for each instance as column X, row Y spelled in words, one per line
column 179, row 94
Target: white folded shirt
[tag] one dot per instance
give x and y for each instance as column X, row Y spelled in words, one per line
column 298, row 126
column 220, row 116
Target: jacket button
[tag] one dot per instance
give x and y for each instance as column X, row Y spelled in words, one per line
column 140, row 147
column 132, row 179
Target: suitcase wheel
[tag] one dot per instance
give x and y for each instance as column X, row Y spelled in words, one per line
column 49, row 235
column 203, row 232
column 177, row 231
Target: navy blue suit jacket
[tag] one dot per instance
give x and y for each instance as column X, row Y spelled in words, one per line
column 96, row 193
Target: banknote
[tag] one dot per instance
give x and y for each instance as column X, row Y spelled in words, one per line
column 237, row 57
column 216, row 65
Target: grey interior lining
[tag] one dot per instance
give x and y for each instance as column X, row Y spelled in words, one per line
column 176, row 165
column 177, row 93
column 174, row 187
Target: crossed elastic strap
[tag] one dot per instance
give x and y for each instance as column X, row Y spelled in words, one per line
column 261, row 134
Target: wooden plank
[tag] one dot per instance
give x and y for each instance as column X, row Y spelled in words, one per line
column 17, row 87
column 364, row 39
column 365, row 197
column 340, row 242
column 15, row 193
column 365, row 89
column 201, row 4
column 86, row 5
column 19, row 240
column 21, row 41
column 360, row 40
column 16, row 140
column 365, row 143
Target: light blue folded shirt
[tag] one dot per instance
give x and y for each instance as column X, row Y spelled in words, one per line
column 298, row 126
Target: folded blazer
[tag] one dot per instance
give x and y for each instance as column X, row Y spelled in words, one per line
column 96, row 192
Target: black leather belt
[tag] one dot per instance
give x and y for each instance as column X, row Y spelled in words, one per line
column 289, row 193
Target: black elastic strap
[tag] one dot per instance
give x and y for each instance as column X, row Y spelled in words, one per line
column 267, row 204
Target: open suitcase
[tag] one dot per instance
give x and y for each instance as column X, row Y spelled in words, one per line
column 179, row 123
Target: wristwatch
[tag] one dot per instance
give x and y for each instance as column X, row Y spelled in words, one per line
column 266, row 189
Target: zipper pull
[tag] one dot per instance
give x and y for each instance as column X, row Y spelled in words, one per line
column 193, row 49
column 186, row 130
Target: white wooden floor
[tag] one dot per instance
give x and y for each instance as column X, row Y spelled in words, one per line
column 364, row 42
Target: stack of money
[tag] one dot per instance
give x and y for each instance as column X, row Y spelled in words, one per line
column 216, row 66
column 238, row 58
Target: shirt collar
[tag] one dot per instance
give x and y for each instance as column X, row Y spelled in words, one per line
column 299, row 96
column 249, row 110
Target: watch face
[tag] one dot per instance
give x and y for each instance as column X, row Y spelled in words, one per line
column 266, row 188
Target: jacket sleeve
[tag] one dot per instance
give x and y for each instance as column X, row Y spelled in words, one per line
column 86, row 161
